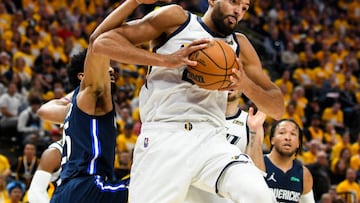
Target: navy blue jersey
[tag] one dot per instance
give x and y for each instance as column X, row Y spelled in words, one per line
column 287, row 187
column 89, row 143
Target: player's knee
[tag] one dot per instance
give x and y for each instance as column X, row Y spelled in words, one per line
column 244, row 183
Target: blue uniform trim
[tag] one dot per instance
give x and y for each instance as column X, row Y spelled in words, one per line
column 95, row 146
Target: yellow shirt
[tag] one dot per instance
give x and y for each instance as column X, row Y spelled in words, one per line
column 328, row 115
column 4, row 196
column 124, row 143
column 346, row 186
column 355, row 162
column 4, row 163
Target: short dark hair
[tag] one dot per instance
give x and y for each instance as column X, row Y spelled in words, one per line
column 75, row 67
column 276, row 124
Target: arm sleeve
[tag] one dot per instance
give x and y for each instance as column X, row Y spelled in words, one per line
column 307, row 198
column 38, row 187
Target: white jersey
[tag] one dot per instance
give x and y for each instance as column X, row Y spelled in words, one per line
column 168, row 96
column 237, row 130
column 56, row 175
column 238, row 135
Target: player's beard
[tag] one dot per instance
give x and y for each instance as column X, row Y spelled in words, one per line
column 285, row 153
column 218, row 18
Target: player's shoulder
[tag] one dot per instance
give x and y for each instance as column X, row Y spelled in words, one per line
column 241, row 36
column 172, row 12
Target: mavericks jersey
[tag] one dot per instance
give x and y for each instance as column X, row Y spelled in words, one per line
column 287, row 187
column 89, row 147
column 169, row 95
column 237, row 130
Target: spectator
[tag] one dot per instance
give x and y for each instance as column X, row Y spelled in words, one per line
column 349, row 185
column 321, row 175
column 16, row 190
column 9, row 106
column 339, row 166
column 25, row 166
column 334, row 114
column 29, row 124
column 125, row 142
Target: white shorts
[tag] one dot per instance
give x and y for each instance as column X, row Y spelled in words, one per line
column 169, row 157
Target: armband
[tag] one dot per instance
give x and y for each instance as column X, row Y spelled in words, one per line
column 307, row 198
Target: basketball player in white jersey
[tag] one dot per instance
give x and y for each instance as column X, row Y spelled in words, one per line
column 183, row 136
column 244, row 130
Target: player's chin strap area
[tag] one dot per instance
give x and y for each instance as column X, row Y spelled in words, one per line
column 236, row 161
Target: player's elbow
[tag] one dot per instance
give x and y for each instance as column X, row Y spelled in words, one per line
column 41, row 112
column 98, row 45
column 279, row 113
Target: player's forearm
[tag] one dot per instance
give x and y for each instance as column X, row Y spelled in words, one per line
column 118, row 48
column 115, row 18
column 37, row 191
column 269, row 101
column 254, row 148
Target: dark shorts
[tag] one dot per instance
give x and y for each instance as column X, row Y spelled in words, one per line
column 90, row 189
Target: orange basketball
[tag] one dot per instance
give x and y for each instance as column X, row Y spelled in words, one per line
column 214, row 65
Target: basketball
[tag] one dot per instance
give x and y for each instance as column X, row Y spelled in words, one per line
column 214, row 64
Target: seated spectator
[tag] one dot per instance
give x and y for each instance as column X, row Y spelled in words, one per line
column 339, row 166
column 25, row 166
column 334, row 114
column 321, row 175
column 29, row 124
column 9, row 107
column 349, row 185
column 125, row 142
column 16, row 190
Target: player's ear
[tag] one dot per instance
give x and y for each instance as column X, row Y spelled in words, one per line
column 211, row 2
column 80, row 76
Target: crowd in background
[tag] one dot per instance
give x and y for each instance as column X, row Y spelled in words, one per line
column 311, row 49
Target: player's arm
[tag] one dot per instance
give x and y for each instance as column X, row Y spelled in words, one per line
column 120, row 43
column 257, row 85
column 256, row 137
column 94, row 97
column 50, row 161
column 55, row 110
column 307, row 196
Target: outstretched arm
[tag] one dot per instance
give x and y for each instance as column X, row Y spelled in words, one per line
column 256, row 130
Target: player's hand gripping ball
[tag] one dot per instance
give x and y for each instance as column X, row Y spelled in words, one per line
column 214, row 65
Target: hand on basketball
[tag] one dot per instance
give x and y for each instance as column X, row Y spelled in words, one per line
column 237, row 77
column 181, row 57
